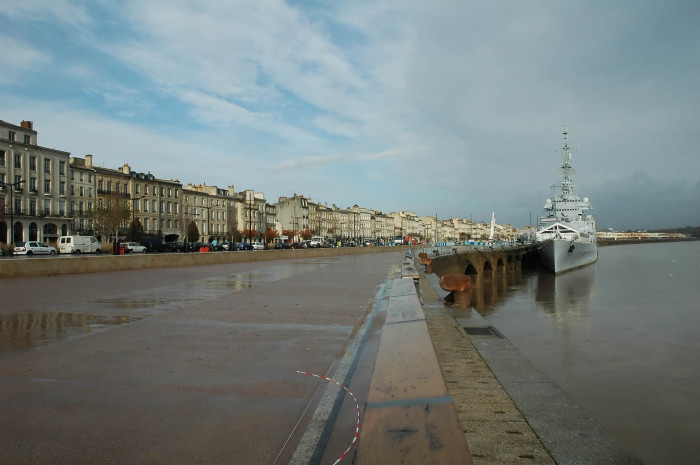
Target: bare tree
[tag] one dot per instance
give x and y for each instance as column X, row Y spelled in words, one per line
column 111, row 214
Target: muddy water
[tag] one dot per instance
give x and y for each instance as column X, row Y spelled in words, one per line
column 621, row 338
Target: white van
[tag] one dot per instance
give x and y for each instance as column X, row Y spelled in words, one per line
column 316, row 242
column 79, row 244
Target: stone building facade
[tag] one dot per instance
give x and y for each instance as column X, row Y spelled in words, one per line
column 34, row 187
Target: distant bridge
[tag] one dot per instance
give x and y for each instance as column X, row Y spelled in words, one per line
column 481, row 263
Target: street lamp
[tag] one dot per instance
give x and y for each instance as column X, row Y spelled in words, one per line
column 12, row 207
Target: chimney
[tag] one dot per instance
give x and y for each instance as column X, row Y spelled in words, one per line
column 88, row 161
column 28, row 125
column 126, row 169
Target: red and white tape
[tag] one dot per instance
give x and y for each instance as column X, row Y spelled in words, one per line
column 357, row 407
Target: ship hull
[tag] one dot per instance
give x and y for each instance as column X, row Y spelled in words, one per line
column 560, row 255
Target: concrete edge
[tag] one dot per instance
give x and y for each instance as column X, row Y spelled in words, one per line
column 23, row 267
column 410, row 417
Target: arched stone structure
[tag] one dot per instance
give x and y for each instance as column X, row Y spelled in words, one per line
column 481, row 265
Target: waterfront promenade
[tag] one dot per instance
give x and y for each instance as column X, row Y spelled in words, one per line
column 199, row 365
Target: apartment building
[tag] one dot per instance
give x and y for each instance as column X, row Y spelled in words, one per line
column 210, row 208
column 293, row 214
column 254, row 215
column 82, row 194
column 34, row 187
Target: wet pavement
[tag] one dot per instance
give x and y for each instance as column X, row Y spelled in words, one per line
column 186, row 365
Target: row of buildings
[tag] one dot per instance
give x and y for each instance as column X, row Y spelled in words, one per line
column 46, row 193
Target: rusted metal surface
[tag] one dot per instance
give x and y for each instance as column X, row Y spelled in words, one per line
column 455, row 282
column 460, row 286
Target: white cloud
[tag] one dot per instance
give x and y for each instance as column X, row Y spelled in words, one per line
column 22, row 56
column 456, row 106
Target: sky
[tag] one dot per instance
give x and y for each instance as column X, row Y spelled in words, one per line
column 445, row 108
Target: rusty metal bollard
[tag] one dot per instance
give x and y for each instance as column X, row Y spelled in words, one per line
column 428, row 264
column 461, row 286
column 422, row 257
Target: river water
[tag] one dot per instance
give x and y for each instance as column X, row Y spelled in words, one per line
column 621, row 337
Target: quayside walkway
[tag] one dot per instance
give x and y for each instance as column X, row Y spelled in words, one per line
column 206, row 365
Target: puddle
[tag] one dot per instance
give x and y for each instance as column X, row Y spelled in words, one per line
column 233, row 285
column 131, row 303
column 28, row 330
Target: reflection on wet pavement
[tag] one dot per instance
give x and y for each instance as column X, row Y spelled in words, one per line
column 27, row 330
column 82, row 317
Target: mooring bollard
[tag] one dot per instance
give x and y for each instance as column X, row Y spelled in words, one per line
column 428, row 264
column 460, row 285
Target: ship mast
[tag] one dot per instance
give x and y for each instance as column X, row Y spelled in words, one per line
column 566, row 168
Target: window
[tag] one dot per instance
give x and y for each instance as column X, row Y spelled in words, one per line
column 126, row 188
column 161, row 206
column 99, row 186
column 32, row 185
column 2, row 158
column 62, row 169
column 89, row 177
column 81, row 175
column 62, row 208
column 47, row 207
column 18, row 161
column 170, row 192
column 62, row 188
column 27, row 139
column 154, row 206
column 169, row 208
column 12, row 136
column 81, row 205
column 82, row 191
column 47, row 186
column 47, row 165
column 176, row 193
column 145, row 205
column 32, row 163
column 109, row 187
column 145, row 189
column 2, row 178
column 137, row 188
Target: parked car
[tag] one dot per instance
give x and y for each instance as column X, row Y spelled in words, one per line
column 175, row 246
column 34, row 247
column 244, row 246
column 283, row 245
column 133, row 247
column 257, row 246
column 153, row 244
column 79, row 244
column 195, row 246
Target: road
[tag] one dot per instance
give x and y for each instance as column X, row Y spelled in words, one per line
column 183, row 365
